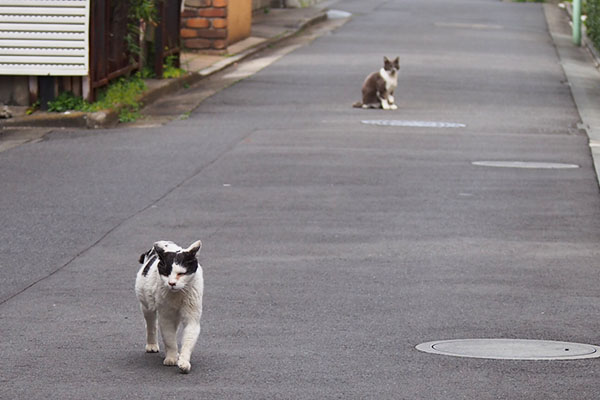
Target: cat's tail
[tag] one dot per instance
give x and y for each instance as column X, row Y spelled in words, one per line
column 358, row 104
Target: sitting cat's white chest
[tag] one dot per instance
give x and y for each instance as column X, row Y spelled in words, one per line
column 390, row 82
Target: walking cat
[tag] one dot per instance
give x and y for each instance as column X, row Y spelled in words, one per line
column 169, row 286
column 378, row 88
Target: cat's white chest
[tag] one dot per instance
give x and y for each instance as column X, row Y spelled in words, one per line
column 153, row 295
column 390, row 82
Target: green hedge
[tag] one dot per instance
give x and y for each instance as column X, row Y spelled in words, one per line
column 592, row 23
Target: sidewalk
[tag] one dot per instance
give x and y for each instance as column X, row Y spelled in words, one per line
column 580, row 65
column 267, row 29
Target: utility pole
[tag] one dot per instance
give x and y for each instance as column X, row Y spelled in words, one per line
column 577, row 22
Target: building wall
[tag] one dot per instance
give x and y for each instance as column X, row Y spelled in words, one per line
column 239, row 20
column 215, row 24
column 14, row 90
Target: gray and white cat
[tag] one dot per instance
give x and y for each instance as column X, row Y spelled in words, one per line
column 169, row 286
column 378, row 88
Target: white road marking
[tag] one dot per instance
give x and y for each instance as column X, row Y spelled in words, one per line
column 413, row 124
column 251, row 67
column 524, row 164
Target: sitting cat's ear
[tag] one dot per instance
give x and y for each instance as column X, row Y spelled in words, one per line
column 397, row 62
column 194, row 247
column 386, row 61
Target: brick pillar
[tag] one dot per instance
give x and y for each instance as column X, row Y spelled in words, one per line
column 204, row 25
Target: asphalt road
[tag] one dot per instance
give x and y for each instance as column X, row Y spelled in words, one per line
column 331, row 247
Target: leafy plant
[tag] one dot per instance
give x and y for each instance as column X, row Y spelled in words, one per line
column 32, row 108
column 146, row 72
column 129, row 115
column 67, row 101
column 141, row 14
column 122, row 93
column 592, row 22
column 169, row 68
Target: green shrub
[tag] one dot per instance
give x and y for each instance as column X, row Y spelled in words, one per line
column 592, row 23
column 67, row 101
column 123, row 93
column 170, row 70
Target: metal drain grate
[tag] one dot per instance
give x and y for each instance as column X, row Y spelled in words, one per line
column 412, row 124
column 511, row 349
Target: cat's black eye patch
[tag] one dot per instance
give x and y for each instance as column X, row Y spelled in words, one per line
column 165, row 265
column 190, row 267
column 164, row 268
column 188, row 261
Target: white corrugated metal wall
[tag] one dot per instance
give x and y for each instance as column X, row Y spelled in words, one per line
column 44, row 37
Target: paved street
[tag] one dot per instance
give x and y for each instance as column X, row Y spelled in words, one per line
column 331, row 248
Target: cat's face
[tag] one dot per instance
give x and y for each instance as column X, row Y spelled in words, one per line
column 391, row 67
column 177, row 267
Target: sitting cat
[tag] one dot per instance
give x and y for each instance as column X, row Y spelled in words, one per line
column 378, row 88
column 169, row 285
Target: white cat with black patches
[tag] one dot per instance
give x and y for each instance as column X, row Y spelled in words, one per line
column 378, row 88
column 169, row 286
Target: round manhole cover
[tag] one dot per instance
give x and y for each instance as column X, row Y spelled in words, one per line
column 524, row 164
column 412, row 124
column 511, row 349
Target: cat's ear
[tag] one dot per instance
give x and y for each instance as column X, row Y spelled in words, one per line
column 194, row 247
column 397, row 62
column 159, row 248
column 386, row 61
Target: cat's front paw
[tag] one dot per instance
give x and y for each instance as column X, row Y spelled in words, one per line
column 170, row 361
column 393, row 107
column 152, row 348
column 184, row 366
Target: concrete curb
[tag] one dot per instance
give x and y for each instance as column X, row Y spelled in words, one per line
column 157, row 88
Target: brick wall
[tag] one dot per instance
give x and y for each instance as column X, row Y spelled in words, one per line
column 204, row 25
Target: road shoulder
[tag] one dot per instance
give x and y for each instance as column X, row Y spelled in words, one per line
column 582, row 74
